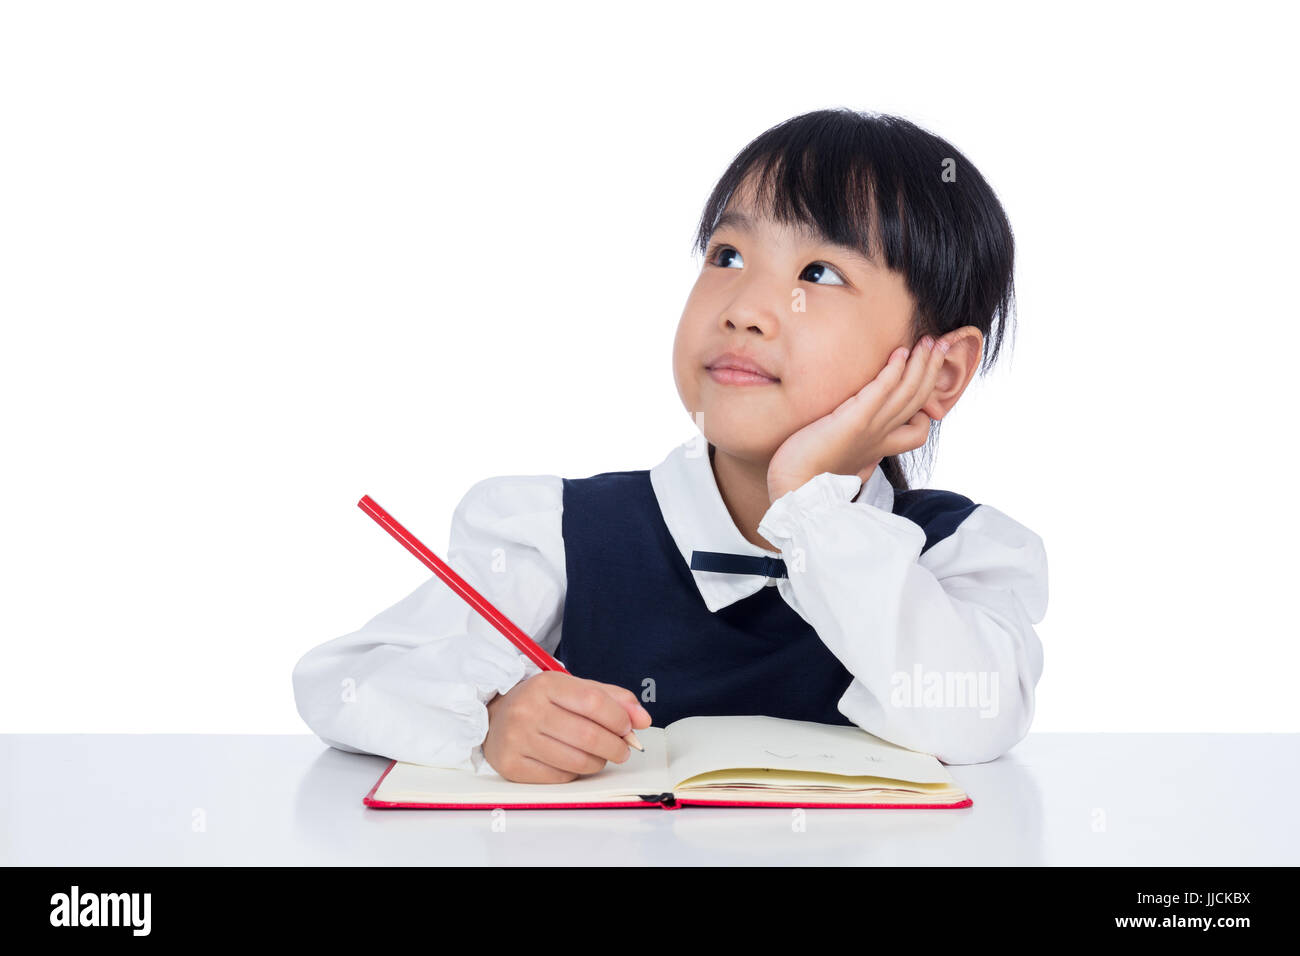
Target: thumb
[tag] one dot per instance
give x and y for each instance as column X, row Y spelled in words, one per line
column 865, row 473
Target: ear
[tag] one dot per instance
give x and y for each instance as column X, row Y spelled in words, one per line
column 965, row 348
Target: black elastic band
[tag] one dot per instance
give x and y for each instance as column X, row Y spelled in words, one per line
column 738, row 563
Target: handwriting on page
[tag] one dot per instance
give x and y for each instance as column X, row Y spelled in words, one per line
column 791, row 756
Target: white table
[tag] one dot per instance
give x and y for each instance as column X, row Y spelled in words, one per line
column 168, row 799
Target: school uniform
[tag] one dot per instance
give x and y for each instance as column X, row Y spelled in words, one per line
column 909, row 614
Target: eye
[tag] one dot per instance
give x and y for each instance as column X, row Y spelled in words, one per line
column 726, row 257
column 823, row 269
column 723, row 250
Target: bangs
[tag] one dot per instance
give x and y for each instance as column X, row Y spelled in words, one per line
column 801, row 177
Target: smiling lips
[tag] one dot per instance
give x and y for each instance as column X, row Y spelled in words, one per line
column 732, row 368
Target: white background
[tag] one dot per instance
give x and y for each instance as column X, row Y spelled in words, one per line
column 260, row 259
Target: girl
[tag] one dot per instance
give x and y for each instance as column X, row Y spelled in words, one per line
column 857, row 272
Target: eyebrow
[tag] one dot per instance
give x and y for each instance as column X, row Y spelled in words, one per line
column 744, row 223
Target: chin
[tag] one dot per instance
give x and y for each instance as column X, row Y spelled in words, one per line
column 754, row 446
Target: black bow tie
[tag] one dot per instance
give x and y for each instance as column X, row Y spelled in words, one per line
column 738, row 563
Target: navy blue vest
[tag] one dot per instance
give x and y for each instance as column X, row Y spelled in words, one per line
column 633, row 613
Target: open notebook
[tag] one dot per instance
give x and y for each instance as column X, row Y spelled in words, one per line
column 706, row 761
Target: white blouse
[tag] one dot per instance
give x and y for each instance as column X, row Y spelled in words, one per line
column 941, row 645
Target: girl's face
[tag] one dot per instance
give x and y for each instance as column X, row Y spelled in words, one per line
column 820, row 319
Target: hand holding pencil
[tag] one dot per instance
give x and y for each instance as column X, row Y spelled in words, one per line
column 554, row 727
column 549, row 728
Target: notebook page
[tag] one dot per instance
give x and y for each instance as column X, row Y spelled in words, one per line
column 703, row 744
column 641, row 773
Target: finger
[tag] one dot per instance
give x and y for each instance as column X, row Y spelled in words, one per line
column 937, row 359
column 873, row 395
column 629, row 702
column 926, row 374
column 895, row 409
column 926, row 388
column 560, row 754
column 588, row 704
column 539, row 772
column 583, row 735
column 897, row 364
column 590, row 699
column 911, row 434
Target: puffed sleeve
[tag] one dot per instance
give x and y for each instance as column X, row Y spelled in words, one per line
column 414, row 682
column 941, row 644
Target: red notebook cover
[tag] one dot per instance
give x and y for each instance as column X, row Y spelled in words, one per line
column 664, row 801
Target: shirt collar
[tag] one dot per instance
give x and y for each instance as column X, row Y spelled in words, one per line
column 698, row 519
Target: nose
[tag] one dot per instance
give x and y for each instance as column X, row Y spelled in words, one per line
column 754, row 309
column 731, row 322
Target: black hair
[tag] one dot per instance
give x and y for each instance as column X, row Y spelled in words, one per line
column 828, row 170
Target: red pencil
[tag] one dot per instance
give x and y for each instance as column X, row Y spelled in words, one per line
column 478, row 602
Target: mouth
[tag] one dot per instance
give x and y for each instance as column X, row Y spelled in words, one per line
column 736, row 376
column 733, row 369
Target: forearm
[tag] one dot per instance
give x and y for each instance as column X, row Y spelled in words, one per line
column 946, row 667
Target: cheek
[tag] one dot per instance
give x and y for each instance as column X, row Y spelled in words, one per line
column 687, row 390
column 683, row 367
column 818, row 387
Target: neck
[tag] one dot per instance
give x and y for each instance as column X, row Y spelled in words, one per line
column 743, row 485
